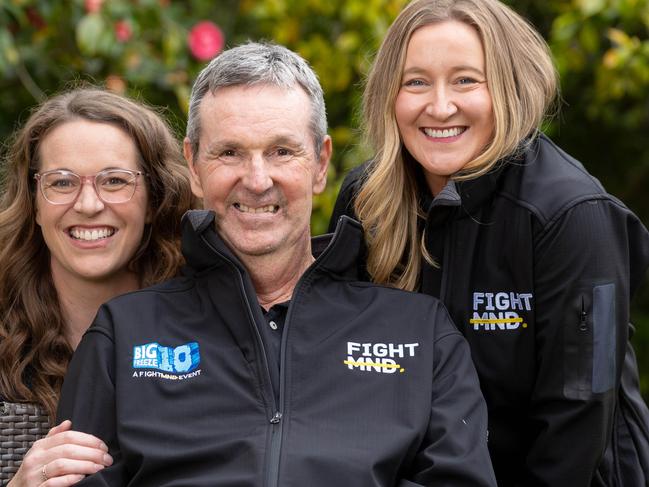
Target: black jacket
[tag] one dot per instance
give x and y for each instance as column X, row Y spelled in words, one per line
column 537, row 266
column 377, row 387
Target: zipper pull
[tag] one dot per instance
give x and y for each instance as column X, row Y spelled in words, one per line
column 583, row 325
column 276, row 418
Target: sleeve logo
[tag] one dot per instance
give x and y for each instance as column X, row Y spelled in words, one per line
column 178, row 360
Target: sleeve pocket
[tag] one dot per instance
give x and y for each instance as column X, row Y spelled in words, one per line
column 604, row 330
column 589, row 341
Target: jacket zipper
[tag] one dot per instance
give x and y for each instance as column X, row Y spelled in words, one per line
column 583, row 332
column 272, row 476
column 583, row 322
column 276, row 419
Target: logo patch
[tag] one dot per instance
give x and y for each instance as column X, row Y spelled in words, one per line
column 179, row 360
column 500, row 311
column 378, row 357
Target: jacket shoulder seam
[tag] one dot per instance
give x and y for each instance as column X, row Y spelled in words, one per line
column 448, row 334
column 101, row 331
column 157, row 289
column 547, row 220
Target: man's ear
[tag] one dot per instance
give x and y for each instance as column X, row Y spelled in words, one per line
column 320, row 175
column 194, row 179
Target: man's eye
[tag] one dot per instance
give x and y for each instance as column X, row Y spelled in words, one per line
column 280, row 153
column 228, row 153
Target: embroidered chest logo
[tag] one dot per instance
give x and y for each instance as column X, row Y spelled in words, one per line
column 378, row 357
column 500, row 311
column 167, row 362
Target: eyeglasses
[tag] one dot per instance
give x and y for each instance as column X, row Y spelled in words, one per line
column 61, row 187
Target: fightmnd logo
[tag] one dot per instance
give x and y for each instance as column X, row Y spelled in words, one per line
column 378, row 357
column 500, row 310
column 178, row 360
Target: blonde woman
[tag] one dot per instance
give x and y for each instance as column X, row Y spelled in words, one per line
column 465, row 200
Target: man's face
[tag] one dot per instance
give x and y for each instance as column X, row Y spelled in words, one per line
column 257, row 167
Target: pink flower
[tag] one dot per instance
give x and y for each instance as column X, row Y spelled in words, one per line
column 123, row 30
column 205, row 40
column 93, row 6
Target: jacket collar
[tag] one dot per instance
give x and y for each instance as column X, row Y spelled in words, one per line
column 337, row 253
column 471, row 195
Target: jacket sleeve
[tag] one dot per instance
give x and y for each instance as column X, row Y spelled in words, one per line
column 454, row 451
column 88, row 397
column 587, row 264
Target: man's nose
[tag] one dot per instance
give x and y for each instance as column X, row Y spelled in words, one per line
column 257, row 178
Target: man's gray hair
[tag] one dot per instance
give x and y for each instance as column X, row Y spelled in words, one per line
column 256, row 63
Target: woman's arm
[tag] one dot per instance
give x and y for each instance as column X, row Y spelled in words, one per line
column 587, row 264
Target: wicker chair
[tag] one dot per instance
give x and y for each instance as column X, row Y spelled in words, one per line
column 21, row 424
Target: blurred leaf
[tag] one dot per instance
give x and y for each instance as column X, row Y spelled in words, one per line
column 619, row 37
column 90, row 33
column 591, row 7
column 8, row 53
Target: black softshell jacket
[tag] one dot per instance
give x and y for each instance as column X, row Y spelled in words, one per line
column 376, row 385
column 537, row 267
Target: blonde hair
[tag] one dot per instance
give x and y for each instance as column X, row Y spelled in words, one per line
column 523, row 84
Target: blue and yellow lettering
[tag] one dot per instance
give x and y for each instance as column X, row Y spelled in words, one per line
column 512, row 325
column 388, row 370
column 351, row 361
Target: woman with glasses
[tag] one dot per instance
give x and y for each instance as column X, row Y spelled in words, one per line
column 465, row 200
column 94, row 188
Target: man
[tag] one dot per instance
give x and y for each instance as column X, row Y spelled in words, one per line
column 265, row 366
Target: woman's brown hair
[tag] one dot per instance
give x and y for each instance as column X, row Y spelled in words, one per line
column 34, row 353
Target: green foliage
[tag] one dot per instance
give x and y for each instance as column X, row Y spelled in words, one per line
column 141, row 47
column 602, row 52
column 45, row 46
